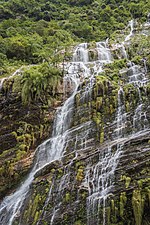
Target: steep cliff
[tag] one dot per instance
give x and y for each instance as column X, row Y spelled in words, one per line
column 23, row 126
column 94, row 169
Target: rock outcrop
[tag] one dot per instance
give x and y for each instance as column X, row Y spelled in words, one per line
column 23, row 128
column 103, row 175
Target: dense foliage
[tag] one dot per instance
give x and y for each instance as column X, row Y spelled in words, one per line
column 38, row 35
column 32, row 30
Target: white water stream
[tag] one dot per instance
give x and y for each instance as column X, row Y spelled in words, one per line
column 100, row 177
column 91, row 69
column 136, row 77
column 17, row 72
column 131, row 25
column 52, row 149
column 1, row 83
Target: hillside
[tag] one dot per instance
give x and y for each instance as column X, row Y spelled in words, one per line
column 74, row 112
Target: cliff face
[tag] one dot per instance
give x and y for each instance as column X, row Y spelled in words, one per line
column 23, row 128
column 102, row 174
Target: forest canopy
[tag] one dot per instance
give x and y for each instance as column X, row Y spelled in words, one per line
column 31, row 31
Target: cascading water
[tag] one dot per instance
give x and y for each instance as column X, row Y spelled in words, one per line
column 138, row 78
column 131, row 24
column 81, row 53
column 82, row 132
column 100, row 177
column 145, row 66
column 52, row 149
column 121, row 115
column 17, row 72
column 47, row 152
column 1, row 83
column 104, row 54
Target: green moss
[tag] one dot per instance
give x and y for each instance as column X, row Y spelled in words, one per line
column 67, row 197
column 35, row 204
column 97, row 119
column 22, row 147
column 143, row 181
column 60, row 173
column 115, row 215
column 147, row 190
column 127, row 106
column 41, row 130
column 123, row 200
column 80, row 174
column 77, row 100
column 127, row 180
column 92, row 44
column 138, row 206
column 84, row 194
column 112, row 206
column 111, row 109
column 20, row 154
column 137, row 59
column 99, row 102
column 53, row 170
column 36, row 217
column 14, row 133
column 108, row 215
column 20, row 138
column 79, row 222
column 102, row 137
column 79, row 164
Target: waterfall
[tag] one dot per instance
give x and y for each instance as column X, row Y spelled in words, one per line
column 100, row 177
column 127, row 38
column 52, row 149
column 145, row 66
column 47, row 152
column 121, row 45
column 121, row 115
column 104, row 54
column 1, row 83
column 138, row 79
column 81, row 53
column 81, row 133
column 131, row 25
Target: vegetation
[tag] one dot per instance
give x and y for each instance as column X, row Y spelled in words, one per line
column 32, row 31
column 38, row 81
column 39, row 35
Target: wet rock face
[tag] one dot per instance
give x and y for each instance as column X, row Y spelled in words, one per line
column 23, row 128
column 60, row 192
column 103, row 175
